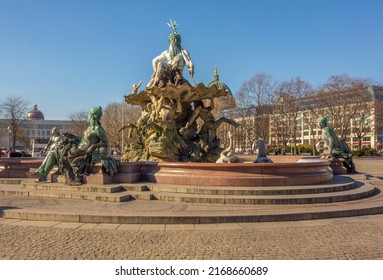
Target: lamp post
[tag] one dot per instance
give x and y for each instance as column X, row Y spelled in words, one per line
column 122, row 131
column 9, row 137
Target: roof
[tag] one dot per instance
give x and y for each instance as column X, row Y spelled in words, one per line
column 227, row 101
column 35, row 114
column 219, row 84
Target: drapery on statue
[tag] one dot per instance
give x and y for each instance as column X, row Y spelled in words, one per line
column 74, row 156
column 331, row 147
column 169, row 65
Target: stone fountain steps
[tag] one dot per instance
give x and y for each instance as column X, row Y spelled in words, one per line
column 362, row 192
column 150, row 205
column 342, row 189
column 105, row 197
column 7, row 181
column 63, row 187
column 339, row 184
column 105, row 193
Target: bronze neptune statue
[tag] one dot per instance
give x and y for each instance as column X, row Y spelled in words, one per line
column 176, row 123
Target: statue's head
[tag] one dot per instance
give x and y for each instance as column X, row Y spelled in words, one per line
column 322, row 121
column 94, row 114
column 55, row 131
column 174, row 38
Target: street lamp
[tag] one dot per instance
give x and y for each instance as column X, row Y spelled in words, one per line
column 9, row 137
column 122, row 125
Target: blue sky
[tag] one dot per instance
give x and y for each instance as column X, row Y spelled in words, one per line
column 68, row 56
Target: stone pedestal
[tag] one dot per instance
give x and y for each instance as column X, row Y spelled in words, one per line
column 337, row 167
column 127, row 173
column 17, row 167
column 309, row 159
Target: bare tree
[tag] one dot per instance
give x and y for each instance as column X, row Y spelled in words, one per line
column 115, row 116
column 338, row 96
column 245, row 111
column 378, row 120
column 14, row 110
column 310, row 116
column 253, row 106
column 279, row 135
column 290, row 95
column 78, row 122
column 366, row 103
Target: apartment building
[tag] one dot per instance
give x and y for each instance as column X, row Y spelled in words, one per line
column 356, row 116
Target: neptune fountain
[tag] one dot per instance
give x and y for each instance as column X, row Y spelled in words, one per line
column 167, row 129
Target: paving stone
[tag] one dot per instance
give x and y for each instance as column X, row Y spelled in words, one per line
column 229, row 226
column 87, row 226
column 68, row 225
column 8, row 221
column 180, row 227
column 206, row 226
column 107, row 226
column 145, row 227
column 131, row 227
column 35, row 223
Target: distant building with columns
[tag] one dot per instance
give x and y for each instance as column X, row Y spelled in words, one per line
column 35, row 131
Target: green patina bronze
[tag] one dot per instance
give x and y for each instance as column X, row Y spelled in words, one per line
column 331, row 147
column 74, row 156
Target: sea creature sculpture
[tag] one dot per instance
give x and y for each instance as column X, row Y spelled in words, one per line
column 228, row 155
column 260, row 146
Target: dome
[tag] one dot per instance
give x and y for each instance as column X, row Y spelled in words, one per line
column 35, row 114
column 218, row 83
column 228, row 99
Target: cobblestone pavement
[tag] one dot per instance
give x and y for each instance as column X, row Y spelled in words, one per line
column 347, row 238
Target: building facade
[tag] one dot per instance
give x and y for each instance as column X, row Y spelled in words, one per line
column 34, row 133
column 355, row 115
